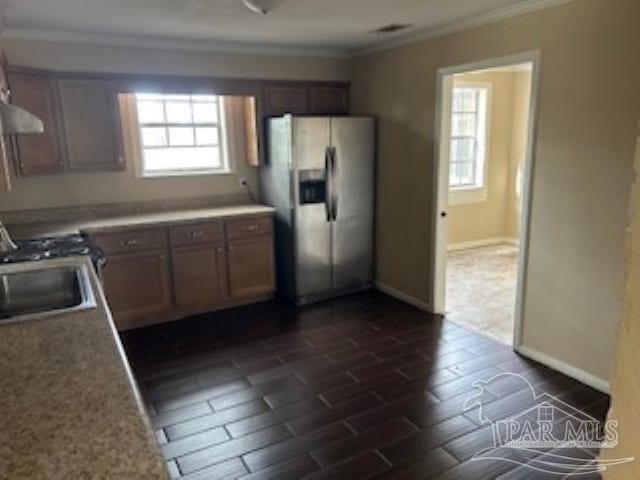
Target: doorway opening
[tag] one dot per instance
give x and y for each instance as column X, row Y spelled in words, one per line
column 484, row 170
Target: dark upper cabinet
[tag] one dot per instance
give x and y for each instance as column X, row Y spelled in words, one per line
column 331, row 100
column 301, row 98
column 91, row 125
column 37, row 154
column 281, row 99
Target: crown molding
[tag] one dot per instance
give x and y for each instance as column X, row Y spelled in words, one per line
column 169, row 44
column 524, row 7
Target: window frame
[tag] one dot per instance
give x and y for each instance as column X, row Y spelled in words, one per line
column 477, row 192
column 223, row 130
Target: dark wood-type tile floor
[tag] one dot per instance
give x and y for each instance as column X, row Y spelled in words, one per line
column 359, row 387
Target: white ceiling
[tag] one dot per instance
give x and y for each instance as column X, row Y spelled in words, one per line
column 323, row 25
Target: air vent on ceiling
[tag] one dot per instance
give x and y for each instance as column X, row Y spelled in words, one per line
column 391, row 28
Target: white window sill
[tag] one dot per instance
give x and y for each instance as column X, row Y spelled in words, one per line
column 185, row 173
column 461, row 196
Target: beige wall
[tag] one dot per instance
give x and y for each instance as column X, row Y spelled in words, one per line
column 493, row 218
column 625, row 385
column 83, row 189
column 588, row 108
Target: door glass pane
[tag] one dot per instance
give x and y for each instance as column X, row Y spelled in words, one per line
column 154, row 137
column 181, row 136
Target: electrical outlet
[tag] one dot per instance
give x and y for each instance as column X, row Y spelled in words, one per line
column 244, row 183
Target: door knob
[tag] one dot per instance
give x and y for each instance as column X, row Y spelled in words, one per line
column 443, row 214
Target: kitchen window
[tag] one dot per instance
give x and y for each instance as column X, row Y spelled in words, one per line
column 469, row 137
column 181, row 134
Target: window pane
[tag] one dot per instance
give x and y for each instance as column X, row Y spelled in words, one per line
column 181, row 136
column 464, row 124
column 178, row 112
column 463, row 150
column 204, row 98
column 205, row 112
column 154, row 137
column 149, row 96
column 182, row 159
column 207, row 136
column 150, row 112
column 465, row 100
column 461, row 174
column 176, row 98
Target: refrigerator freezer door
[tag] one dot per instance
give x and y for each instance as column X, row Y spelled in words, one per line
column 311, row 137
column 353, row 184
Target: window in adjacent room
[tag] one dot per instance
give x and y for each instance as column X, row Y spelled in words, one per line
column 469, row 131
column 181, row 134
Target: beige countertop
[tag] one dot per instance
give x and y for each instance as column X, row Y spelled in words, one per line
column 33, row 230
column 69, row 407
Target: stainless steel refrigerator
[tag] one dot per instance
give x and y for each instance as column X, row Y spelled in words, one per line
column 319, row 176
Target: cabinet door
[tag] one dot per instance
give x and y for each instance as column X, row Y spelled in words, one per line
column 37, row 154
column 279, row 100
column 199, row 275
column 138, row 288
column 330, row 100
column 251, row 266
column 91, row 125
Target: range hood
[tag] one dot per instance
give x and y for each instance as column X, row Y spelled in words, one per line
column 16, row 121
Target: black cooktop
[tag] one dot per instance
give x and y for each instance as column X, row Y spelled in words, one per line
column 53, row 247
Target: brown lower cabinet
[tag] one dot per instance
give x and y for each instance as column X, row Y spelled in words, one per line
column 199, row 275
column 251, row 266
column 160, row 274
column 138, row 287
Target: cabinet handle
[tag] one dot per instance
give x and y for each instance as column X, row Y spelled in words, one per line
column 195, row 234
column 219, row 249
column 231, row 248
column 130, row 243
column 251, row 228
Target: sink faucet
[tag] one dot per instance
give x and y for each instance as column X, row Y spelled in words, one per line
column 6, row 244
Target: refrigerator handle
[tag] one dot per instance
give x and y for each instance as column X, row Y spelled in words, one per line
column 334, row 190
column 328, row 183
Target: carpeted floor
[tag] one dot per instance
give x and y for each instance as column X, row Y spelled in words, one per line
column 481, row 289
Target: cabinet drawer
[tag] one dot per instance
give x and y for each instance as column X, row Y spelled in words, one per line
column 195, row 233
column 249, row 227
column 132, row 241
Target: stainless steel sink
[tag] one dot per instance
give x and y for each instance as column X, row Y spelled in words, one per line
column 42, row 291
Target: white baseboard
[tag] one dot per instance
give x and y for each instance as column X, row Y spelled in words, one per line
column 403, row 297
column 485, row 242
column 562, row 367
